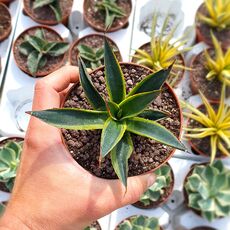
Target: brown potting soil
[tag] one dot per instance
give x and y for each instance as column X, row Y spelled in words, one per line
column 5, row 22
column 94, row 41
column 84, row 146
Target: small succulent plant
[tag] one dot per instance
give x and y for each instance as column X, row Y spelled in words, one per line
column 208, row 190
column 218, row 14
column 53, row 4
column 140, row 223
column 220, row 66
column 37, row 50
column 90, row 228
column 163, row 51
column 2, row 209
column 214, row 124
column 117, row 116
column 92, row 57
column 111, row 10
column 163, row 180
column 9, row 161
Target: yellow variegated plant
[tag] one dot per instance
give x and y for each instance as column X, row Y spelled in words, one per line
column 163, row 51
column 218, row 14
column 119, row 115
column 214, row 124
column 220, row 66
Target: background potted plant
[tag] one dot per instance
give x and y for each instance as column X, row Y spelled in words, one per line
column 107, row 15
column 161, row 51
column 208, row 127
column 94, row 226
column 121, row 116
column 160, row 191
column 210, row 70
column 5, row 22
column 207, row 190
column 214, row 16
column 91, row 50
column 39, row 51
column 48, row 12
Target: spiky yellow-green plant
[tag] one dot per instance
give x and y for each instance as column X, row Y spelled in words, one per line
column 219, row 67
column 212, row 124
column 218, row 14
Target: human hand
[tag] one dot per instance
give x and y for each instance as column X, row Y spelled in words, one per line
column 52, row 191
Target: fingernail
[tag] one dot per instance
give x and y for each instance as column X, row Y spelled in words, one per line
column 151, row 179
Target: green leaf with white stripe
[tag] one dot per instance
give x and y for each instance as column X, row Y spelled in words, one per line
column 154, row 115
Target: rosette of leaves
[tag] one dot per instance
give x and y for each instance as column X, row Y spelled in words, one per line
column 208, row 190
column 92, row 57
column 218, row 14
column 111, row 10
column 220, row 66
column 119, row 115
column 53, row 4
column 213, row 124
column 9, row 161
column 163, row 52
column 37, row 50
column 140, row 223
column 163, row 180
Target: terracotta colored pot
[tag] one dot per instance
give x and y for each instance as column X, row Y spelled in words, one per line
column 90, row 20
column 6, row 2
column 155, row 204
column 203, row 31
column 170, row 90
column 73, row 52
column 40, row 73
column 29, row 12
column 8, row 30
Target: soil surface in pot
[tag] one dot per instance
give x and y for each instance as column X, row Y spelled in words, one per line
column 5, row 22
column 97, row 18
column 163, row 198
column 84, row 146
column 94, row 41
column 179, row 60
column 45, row 13
column 52, row 62
column 95, row 225
column 211, row 89
column 204, row 30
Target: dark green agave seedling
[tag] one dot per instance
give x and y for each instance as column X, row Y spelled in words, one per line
column 92, row 57
column 117, row 116
column 112, row 11
column 208, row 190
column 53, row 4
column 90, row 228
column 37, row 50
column 9, row 161
column 140, row 223
column 163, row 180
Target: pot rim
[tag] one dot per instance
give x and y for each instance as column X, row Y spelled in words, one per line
column 8, row 31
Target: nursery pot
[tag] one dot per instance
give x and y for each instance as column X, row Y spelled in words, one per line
column 53, row 63
column 198, row 82
column 204, row 31
column 95, row 18
column 163, row 198
column 5, row 22
column 44, row 15
column 148, row 155
column 93, row 41
column 179, row 59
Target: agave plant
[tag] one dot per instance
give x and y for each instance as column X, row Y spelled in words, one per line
column 37, row 50
column 214, row 124
column 218, row 14
column 112, row 11
column 163, row 180
column 53, row 4
column 9, row 161
column 163, row 52
column 220, row 66
column 140, row 223
column 117, row 116
column 208, row 190
column 92, row 57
